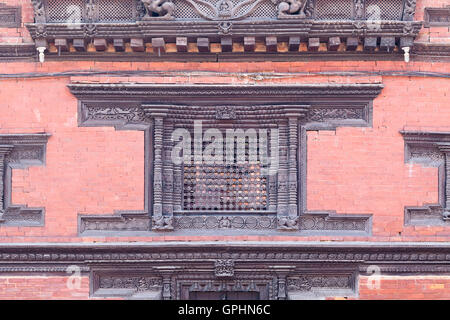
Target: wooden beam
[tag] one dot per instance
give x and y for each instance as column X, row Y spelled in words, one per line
column 406, row 42
column 352, row 43
column 294, row 43
column 79, row 45
column 313, row 44
column 61, row 44
column 203, row 44
column 271, row 44
column 387, row 44
column 182, row 44
column 159, row 45
column 227, row 44
column 119, row 45
column 249, row 44
column 100, row 44
column 137, row 44
column 370, row 43
column 334, row 43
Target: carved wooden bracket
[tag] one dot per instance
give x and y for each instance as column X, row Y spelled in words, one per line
column 19, row 151
column 430, row 149
column 158, row 110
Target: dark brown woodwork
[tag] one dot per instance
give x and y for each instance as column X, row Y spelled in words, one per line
column 352, row 43
column 137, row 45
column 271, row 44
column 334, row 43
column 294, row 44
column 100, row 44
column 158, row 45
column 370, row 43
column 182, row 44
column 313, row 44
column 387, row 44
column 119, row 45
column 61, row 44
column 227, row 44
column 203, row 44
column 79, row 45
column 249, row 44
column 10, row 16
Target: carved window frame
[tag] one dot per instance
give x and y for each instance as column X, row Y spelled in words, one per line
column 143, row 106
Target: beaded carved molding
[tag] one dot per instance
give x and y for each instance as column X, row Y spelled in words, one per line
column 234, row 198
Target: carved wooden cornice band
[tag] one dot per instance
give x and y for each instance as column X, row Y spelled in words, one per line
column 19, row 151
column 141, row 25
column 431, row 149
column 275, row 270
column 158, row 109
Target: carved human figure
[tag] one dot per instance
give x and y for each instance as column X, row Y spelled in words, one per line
column 359, row 9
column 164, row 8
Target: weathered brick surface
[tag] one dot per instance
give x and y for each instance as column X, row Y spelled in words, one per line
column 43, row 288
column 404, row 288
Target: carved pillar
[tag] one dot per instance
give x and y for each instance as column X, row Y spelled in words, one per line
column 158, row 131
column 282, row 194
column 445, row 148
column 293, row 178
column 167, row 170
column 162, row 216
column 4, row 151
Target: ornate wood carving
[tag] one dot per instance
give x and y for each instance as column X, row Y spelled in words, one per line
column 10, row 17
column 19, row 151
column 430, row 149
column 221, row 21
column 276, row 270
column 285, row 208
column 437, row 17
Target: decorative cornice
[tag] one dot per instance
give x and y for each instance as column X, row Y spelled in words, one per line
column 150, row 92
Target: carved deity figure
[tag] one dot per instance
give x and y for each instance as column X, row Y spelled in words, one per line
column 291, row 8
column 359, row 9
column 163, row 8
column 288, row 222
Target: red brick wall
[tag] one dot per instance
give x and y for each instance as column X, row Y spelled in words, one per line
column 43, row 288
column 405, row 288
column 350, row 170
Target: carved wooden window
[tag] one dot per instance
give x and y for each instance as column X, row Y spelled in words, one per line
column 210, row 197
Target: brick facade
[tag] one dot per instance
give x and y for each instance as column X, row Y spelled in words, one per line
column 351, row 170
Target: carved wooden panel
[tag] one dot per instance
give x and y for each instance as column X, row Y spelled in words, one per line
column 10, row 17
column 437, row 17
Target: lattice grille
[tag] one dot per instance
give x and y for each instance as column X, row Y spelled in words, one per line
column 184, row 10
column 235, row 186
column 265, row 10
column 384, row 10
column 116, row 10
column 227, row 187
column 65, row 11
column 334, row 10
